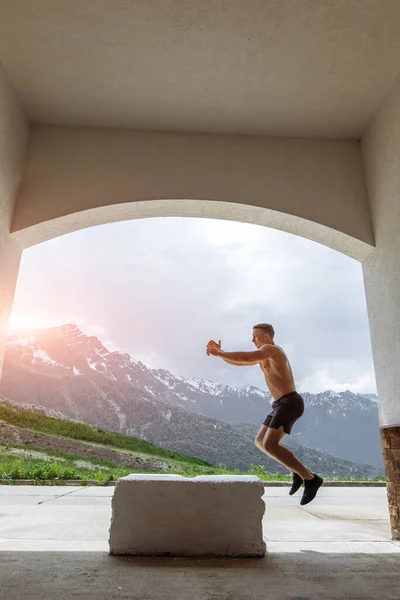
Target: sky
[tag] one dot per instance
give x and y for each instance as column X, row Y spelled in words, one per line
column 161, row 288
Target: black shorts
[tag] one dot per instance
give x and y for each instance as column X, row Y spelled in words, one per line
column 285, row 412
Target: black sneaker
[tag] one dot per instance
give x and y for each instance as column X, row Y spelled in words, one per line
column 311, row 487
column 296, row 485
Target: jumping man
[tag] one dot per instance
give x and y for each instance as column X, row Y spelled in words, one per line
column 288, row 405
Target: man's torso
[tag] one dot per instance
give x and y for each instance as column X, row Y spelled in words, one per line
column 278, row 374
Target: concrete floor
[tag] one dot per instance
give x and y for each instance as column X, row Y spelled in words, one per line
column 53, row 544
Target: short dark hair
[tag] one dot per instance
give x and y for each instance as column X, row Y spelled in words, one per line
column 265, row 327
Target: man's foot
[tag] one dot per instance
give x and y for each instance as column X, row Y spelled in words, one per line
column 311, row 487
column 296, row 485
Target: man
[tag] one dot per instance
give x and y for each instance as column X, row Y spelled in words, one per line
column 288, row 405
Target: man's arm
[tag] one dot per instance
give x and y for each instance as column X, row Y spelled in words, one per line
column 238, row 364
column 245, row 358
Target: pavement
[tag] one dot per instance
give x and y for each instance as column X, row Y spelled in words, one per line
column 54, row 544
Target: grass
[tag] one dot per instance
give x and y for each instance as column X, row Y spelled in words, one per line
column 56, row 465
column 61, row 466
column 86, row 433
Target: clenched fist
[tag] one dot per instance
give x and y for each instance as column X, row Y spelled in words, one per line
column 213, row 348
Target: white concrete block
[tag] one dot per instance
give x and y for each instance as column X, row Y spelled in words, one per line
column 170, row 515
column 231, row 478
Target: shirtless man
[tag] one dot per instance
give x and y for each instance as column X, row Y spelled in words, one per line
column 288, row 405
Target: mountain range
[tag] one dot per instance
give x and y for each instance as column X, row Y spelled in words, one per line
column 66, row 373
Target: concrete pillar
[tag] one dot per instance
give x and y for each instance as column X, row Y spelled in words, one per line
column 14, row 133
column 10, row 254
column 381, row 152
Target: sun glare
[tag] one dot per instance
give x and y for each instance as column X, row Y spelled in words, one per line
column 18, row 324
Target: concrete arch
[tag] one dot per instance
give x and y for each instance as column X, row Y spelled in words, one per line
column 75, row 178
column 207, row 209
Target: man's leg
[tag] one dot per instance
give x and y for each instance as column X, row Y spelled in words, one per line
column 260, row 438
column 261, row 444
column 271, row 446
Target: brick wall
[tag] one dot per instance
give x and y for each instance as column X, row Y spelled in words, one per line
column 390, row 437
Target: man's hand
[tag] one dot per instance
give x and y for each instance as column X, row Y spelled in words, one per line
column 214, row 351
column 213, row 348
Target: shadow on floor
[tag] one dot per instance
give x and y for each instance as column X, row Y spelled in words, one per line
column 286, row 576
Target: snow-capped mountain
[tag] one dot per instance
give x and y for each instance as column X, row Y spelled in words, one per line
column 67, row 350
column 343, row 424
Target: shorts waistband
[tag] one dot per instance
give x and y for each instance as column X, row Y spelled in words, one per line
column 287, row 396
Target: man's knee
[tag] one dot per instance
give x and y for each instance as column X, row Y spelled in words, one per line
column 267, row 446
column 259, row 443
column 270, row 446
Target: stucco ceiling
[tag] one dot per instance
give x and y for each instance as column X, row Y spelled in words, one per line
column 317, row 68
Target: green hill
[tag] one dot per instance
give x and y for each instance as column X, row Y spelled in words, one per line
column 33, row 461
column 33, row 446
column 80, row 431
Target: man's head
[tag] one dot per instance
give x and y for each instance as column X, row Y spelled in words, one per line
column 263, row 333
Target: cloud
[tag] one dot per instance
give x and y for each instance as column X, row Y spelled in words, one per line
column 161, row 288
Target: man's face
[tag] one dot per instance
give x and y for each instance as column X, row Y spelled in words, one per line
column 258, row 337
